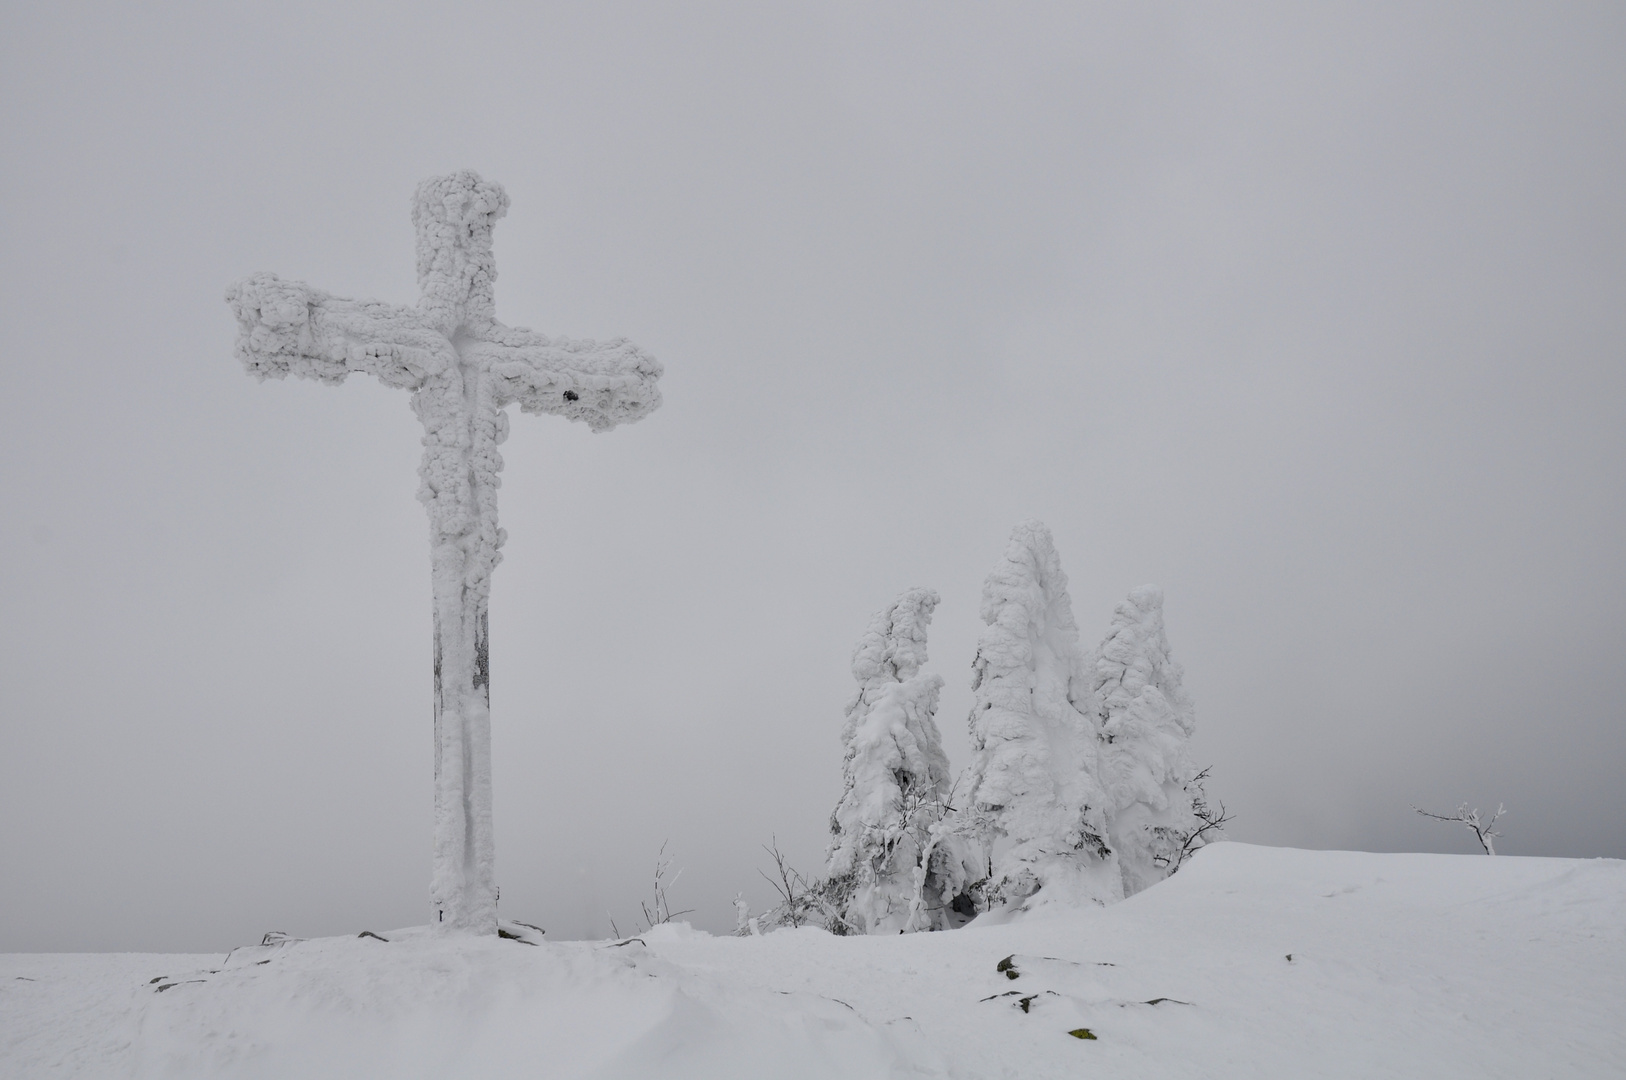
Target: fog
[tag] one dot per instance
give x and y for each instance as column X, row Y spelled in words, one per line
column 1312, row 315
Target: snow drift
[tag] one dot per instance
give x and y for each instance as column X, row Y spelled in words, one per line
column 1251, row 962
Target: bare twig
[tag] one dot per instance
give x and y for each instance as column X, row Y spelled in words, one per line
column 1484, row 831
column 1210, row 820
column 945, row 822
column 831, row 914
column 791, row 886
column 661, row 912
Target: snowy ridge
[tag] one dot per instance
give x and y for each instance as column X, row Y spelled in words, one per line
column 1251, row 962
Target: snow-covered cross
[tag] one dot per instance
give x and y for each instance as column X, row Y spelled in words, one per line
column 464, row 368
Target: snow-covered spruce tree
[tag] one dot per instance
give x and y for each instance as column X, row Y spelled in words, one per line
column 1031, row 792
column 878, row 877
column 1145, row 722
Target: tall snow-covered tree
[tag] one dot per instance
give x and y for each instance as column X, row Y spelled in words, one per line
column 1031, row 790
column 879, row 878
column 1145, row 722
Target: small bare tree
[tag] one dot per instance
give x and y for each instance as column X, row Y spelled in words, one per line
column 1484, row 831
column 661, row 911
column 1211, row 820
column 800, row 900
column 795, row 893
column 956, row 832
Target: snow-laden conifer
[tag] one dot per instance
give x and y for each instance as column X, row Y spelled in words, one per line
column 1031, row 790
column 1145, row 721
column 879, row 879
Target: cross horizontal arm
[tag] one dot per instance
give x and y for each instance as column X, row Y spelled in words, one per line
column 288, row 328
column 602, row 384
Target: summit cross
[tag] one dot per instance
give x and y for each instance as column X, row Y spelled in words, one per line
column 463, row 368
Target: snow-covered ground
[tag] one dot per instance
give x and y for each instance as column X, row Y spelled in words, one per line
column 1251, row 962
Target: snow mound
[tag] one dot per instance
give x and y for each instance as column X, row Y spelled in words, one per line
column 1250, row 962
column 420, row 1004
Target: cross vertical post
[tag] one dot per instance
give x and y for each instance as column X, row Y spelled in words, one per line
column 463, row 369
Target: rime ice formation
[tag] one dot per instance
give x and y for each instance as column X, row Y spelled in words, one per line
column 464, row 368
column 1031, row 790
column 879, row 874
column 1145, row 721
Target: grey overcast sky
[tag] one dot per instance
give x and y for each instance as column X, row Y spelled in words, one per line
column 1313, row 314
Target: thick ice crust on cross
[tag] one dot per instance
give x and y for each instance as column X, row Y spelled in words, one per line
column 454, row 216
column 288, row 328
column 464, row 368
column 602, row 384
